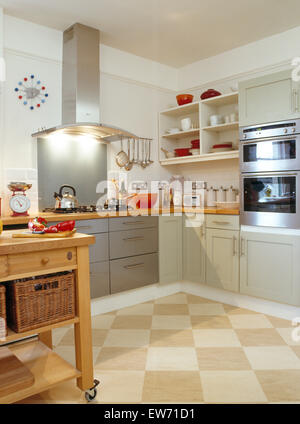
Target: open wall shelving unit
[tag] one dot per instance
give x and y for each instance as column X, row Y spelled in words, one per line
column 200, row 113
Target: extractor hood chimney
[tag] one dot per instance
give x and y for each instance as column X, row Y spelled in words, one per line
column 81, row 88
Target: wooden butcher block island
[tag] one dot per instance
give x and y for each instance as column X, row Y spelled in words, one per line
column 26, row 258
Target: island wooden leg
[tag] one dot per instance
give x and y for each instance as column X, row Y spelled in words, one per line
column 83, row 331
column 46, row 338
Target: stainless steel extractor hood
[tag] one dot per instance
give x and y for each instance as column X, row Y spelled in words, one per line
column 81, row 88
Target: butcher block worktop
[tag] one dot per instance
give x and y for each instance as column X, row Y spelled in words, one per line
column 8, row 220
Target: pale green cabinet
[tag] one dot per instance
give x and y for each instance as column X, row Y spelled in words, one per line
column 170, row 248
column 194, row 248
column 222, row 259
column 270, row 266
column 270, row 98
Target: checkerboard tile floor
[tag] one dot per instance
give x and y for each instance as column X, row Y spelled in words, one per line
column 186, row 349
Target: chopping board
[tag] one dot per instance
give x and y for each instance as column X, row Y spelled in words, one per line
column 14, row 376
column 28, row 234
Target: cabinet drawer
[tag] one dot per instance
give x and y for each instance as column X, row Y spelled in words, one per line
column 224, row 222
column 3, row 266
column 119, row 224
column 90, row 226
column 99, row 250
column 99, row 279
column 131, row 273
column 133, row 242
column 21, row 264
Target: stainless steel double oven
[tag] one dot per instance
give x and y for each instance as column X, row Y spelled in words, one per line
column 270, row 174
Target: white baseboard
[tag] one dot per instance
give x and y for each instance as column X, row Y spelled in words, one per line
column 133, row 297
column 267, row 307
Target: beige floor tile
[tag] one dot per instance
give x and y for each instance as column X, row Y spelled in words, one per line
column 279, row 322
column 58, row 334
column 171, row 322
column 171, row 359
column 259, row 337
column 197, row 299
column 68, row 353
column 98, row 337
column 236, row 310
column 175, row 386
column 103, row 322
column 177, row 298
column 222, row 358
column 172, row 338
column 250, row 321
column 138, row 322
column 272, row 358
column 216, row 338
column 296, row 349
column 127, row 338
column 210, row 321
column 121, row 358
column 171, row 309
column 141, row 309
column 231, row 387
column 206, row 309
column 290, row 335
column 120, row 386
column 280, row 386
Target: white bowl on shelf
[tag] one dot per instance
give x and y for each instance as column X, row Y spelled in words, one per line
column 172, row 131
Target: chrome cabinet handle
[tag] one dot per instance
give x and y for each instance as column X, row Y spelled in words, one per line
column 135, row 266
column 233, row 246
column 86, row 227
column 242, row 246
column 296, row 101
column 133, row 223
column 134, row 238
column 221, row 222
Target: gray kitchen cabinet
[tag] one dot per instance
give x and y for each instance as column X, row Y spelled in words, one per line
column 99, row 279
column 270, row 98
column 270, row 266
column 99, row 251
column 132, row 222
column 194, row 249
column 133, row 242
column 222, row 259
column 170, row 248
column 134, row 272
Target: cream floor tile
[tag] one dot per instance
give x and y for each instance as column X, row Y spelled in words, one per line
column 172, row 338
column 280, row 386
column 231, row 387
column 133, row 322
column 272, row 358
column 68, row 353
column 141, row 309
column 296, row 349
column 206, row 309
column 236, row 310
column 216, row 338
column 121, row 358
column 120, row 386
column 177, row 298
column 174, row 386
column 197, row 299
column 222, row 358
column 279, row 322
column 103, row 322
column 127, row 338
column 210, row 321
column 171, row 309
column 290, row 335
column 58, row 334
column 98, row 337
column 259, row 337
column 171, row 359
column 171, row 322
column 250, row 321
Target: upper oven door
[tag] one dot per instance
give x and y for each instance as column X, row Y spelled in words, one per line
column 270, row 154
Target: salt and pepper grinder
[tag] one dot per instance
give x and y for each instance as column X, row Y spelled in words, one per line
column 231, row 195
column 211, row 197
column 221, row 195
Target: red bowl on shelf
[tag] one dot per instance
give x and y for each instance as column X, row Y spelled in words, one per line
column 210, row 93
column 182, row 152
column 195, row 144
column 183, row 99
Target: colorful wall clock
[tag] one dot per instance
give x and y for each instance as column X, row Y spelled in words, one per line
column 32, row 92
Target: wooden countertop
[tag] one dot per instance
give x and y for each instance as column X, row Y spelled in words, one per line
column 8, row 220
column 10, row 245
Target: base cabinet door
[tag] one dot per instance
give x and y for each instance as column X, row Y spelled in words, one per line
column 194, row 249
column 222, row 259
column 270, row 266
column 99, row 279
column 170, row 248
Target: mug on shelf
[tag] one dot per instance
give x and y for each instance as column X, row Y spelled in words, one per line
column 186, row 124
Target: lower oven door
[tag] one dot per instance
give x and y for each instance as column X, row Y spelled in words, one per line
column 271, row 199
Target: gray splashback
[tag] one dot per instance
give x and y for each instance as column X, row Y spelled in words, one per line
column 79, row 163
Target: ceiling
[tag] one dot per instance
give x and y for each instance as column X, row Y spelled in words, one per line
column 172, row 32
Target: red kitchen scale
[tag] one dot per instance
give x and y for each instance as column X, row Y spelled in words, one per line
column 19, row 202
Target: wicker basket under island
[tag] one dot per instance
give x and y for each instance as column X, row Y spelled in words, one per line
column 44, row 284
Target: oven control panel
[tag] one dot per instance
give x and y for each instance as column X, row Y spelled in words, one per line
column 277, row 129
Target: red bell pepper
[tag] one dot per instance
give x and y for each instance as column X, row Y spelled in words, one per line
column 66, row 226
column 52, row 229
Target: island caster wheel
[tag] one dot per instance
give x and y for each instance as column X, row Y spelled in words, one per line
column 91, row 394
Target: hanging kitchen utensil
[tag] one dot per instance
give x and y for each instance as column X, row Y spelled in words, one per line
column 129, row 165
column 122, row 158
column 135, row 158
column 149, row 152
column 143, row 161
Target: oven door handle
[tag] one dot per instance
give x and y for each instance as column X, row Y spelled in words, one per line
column 275, row 138
column 270, row 174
